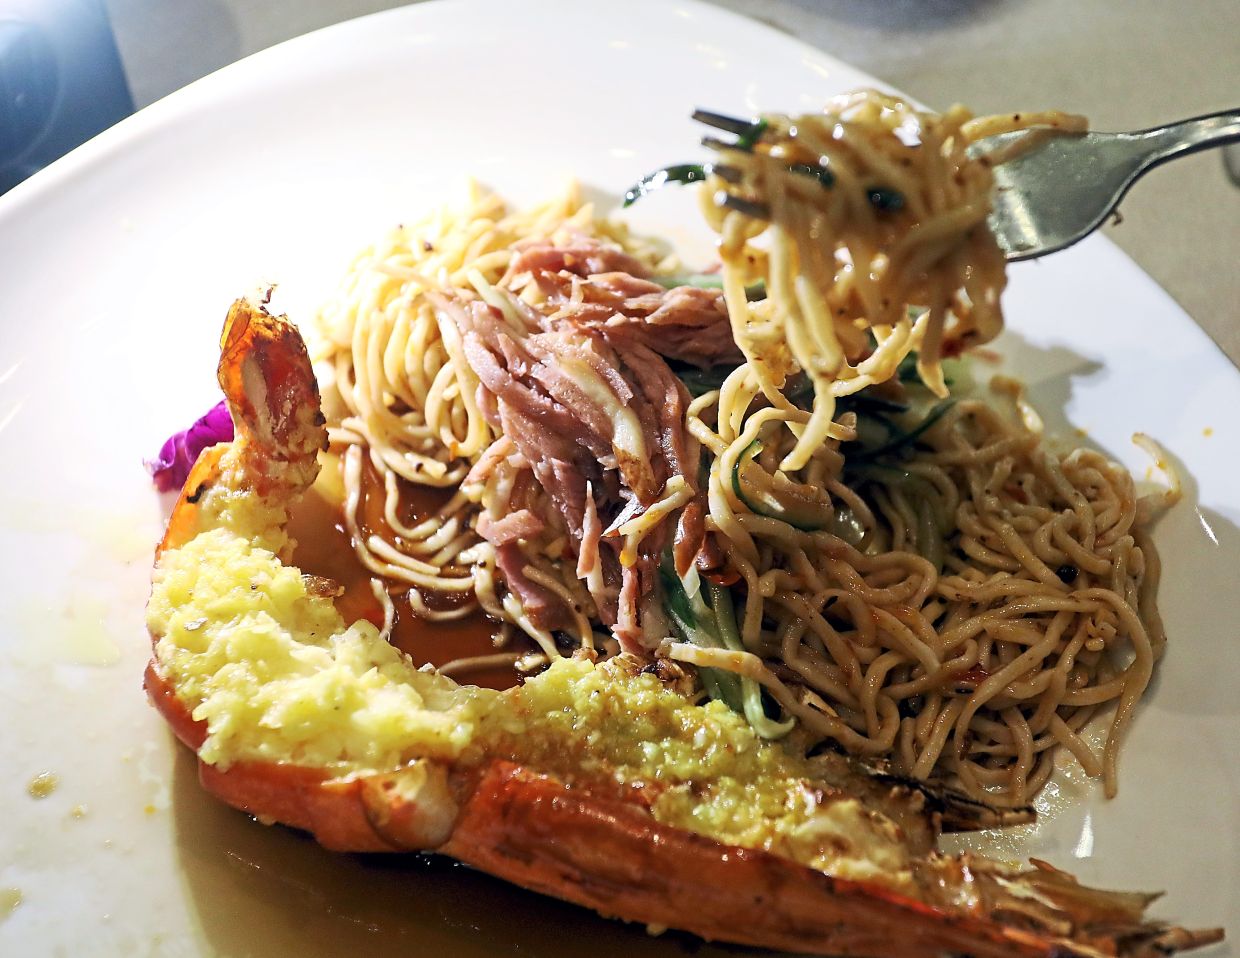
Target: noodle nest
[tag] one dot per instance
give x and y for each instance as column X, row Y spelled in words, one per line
column 920, row 580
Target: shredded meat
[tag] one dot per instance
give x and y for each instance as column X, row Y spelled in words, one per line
column 494, row 457
column 684, row 323
column 591, row 534
column 592, row 423
column 589, row 409
column 582, row 255
column 542, row 606
column 521, row 524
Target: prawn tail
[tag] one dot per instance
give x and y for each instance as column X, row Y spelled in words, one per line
column 278, row 427
column 273, row 397
column 1096, row 921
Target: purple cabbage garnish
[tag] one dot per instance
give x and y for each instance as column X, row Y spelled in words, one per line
column 171, row 467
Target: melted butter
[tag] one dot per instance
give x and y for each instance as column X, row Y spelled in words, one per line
column 324, row 548
column 86, row 638
column 42, row 785
column 79, row 632
column 81, row 626
column 10, row 898
column 125, row 537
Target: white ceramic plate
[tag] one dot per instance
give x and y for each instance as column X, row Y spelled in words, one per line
column 116, row 267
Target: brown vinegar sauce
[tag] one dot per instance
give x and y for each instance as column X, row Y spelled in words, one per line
column 325, row 549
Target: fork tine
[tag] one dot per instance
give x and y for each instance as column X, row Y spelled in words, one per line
column 721, row 121
column 718, row 145
column 759, row 211
column 729, row 174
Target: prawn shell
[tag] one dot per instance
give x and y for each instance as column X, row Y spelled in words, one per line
column 341, row 814
column 183, row 521
column 611, row 856
column 368, row 813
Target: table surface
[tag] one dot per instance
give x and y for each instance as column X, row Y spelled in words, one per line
column 1124, row 65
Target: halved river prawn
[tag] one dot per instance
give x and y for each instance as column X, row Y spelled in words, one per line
column 604, row 784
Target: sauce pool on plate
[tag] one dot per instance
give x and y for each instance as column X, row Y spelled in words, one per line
column 325, row 549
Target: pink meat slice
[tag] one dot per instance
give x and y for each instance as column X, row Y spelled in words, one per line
column 582, row 255
column 684, row 323
column 596, row 311
column 521, row 524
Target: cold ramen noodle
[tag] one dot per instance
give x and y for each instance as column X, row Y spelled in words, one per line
column 781, row 606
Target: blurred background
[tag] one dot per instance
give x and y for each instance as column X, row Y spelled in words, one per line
column 70, row 68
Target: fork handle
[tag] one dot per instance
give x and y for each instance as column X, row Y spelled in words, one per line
column 1189, row 136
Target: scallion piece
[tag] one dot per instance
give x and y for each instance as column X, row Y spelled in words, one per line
column 753, row 292
column 751, row 691
column 885, row 199
column 698, row 630
column 746, row 140
column 903, row 439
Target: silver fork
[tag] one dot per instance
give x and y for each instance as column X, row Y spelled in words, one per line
column 1054, row 192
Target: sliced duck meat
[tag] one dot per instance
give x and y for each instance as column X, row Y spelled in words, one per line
column 581, row 255
column 685, row 323
column 522, row 524
column 600, row 421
